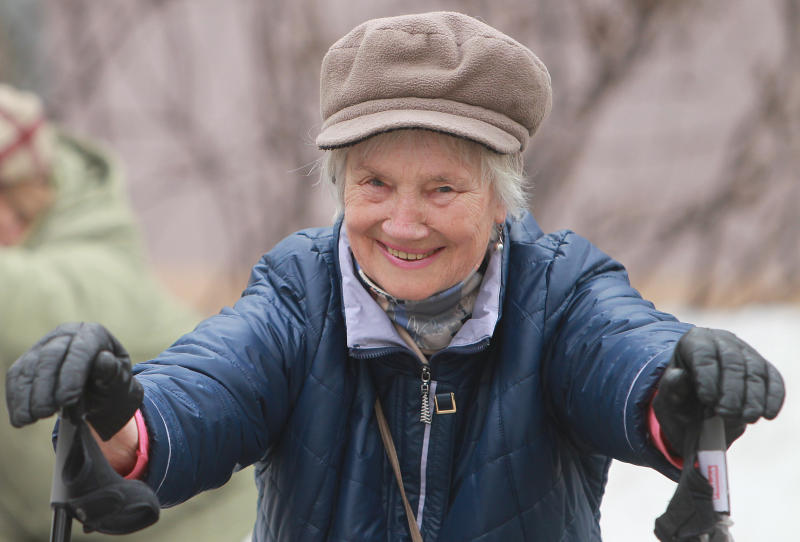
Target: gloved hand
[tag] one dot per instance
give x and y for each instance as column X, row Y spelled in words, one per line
column 713, row 372
column 75, row 363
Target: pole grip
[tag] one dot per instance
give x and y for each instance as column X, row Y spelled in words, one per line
column 66, row 435
column 713, row 463
column 61, row 526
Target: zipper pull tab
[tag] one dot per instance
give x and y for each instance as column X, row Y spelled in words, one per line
column 424, row 390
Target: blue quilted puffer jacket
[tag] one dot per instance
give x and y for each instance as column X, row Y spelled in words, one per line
column 560, row 387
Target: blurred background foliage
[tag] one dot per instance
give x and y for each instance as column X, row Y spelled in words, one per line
column 674, row 141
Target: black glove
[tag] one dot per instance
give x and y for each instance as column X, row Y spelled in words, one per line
column 75, row 364
column 713, row 372
column 690, row 513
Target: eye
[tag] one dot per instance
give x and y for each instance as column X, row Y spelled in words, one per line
column 444, row 189
column 375, row 182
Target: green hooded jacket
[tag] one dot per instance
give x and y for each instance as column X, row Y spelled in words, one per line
column 84, row 261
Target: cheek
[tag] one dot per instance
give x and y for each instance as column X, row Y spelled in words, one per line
column 470, row 233
column 354, row 208
column 355, row 229
column 359, row 217
column 473, row 222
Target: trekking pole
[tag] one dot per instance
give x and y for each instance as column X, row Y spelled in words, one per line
column 699, row 511
column 713, row 466
column 86, row 487
column 61, row 527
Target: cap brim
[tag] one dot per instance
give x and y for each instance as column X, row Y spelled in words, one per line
column 352, row 131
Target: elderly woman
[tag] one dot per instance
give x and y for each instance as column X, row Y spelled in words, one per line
column 433, row 363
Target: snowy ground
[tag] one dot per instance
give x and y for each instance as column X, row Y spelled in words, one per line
column 763, row 466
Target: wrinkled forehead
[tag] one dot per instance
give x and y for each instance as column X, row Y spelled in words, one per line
column 420, row 143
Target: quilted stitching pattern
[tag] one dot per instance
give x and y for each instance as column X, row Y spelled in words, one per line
column 560, row 389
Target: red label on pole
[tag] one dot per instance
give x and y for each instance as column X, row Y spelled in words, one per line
column 713, row 479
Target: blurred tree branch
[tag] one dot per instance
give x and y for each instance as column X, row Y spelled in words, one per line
column 763, row 153
column 615, row 37
column 223, row 100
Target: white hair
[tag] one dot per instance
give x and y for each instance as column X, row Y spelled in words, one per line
column 503, row 171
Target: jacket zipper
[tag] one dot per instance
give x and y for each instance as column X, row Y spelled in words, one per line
column 425, row 397
column 427, row 387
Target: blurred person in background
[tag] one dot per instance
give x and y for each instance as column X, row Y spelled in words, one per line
column 70, row 250
column 433, row 365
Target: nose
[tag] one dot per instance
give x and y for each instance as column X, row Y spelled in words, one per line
column 406, row 219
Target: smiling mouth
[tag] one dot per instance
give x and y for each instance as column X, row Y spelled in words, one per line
column 408, row 257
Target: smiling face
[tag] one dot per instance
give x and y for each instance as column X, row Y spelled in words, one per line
column 416, row 211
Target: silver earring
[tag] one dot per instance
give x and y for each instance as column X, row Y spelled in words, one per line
column 499, row 246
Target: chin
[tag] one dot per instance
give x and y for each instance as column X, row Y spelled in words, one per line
column 413, row 292
column 408, row 294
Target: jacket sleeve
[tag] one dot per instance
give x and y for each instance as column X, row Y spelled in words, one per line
column 218, row 397
column 606, row 351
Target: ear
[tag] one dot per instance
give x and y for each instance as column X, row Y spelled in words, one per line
column 499, row 211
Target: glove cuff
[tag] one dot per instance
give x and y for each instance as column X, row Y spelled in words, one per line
column 107, row 422
column 660, row 441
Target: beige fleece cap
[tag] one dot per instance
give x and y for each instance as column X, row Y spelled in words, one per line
column 441, row 71
column 26, row 139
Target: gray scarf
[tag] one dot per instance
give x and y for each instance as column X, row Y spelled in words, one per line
column 434, row 321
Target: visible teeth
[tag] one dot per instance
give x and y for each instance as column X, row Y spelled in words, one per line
column 406, row 256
